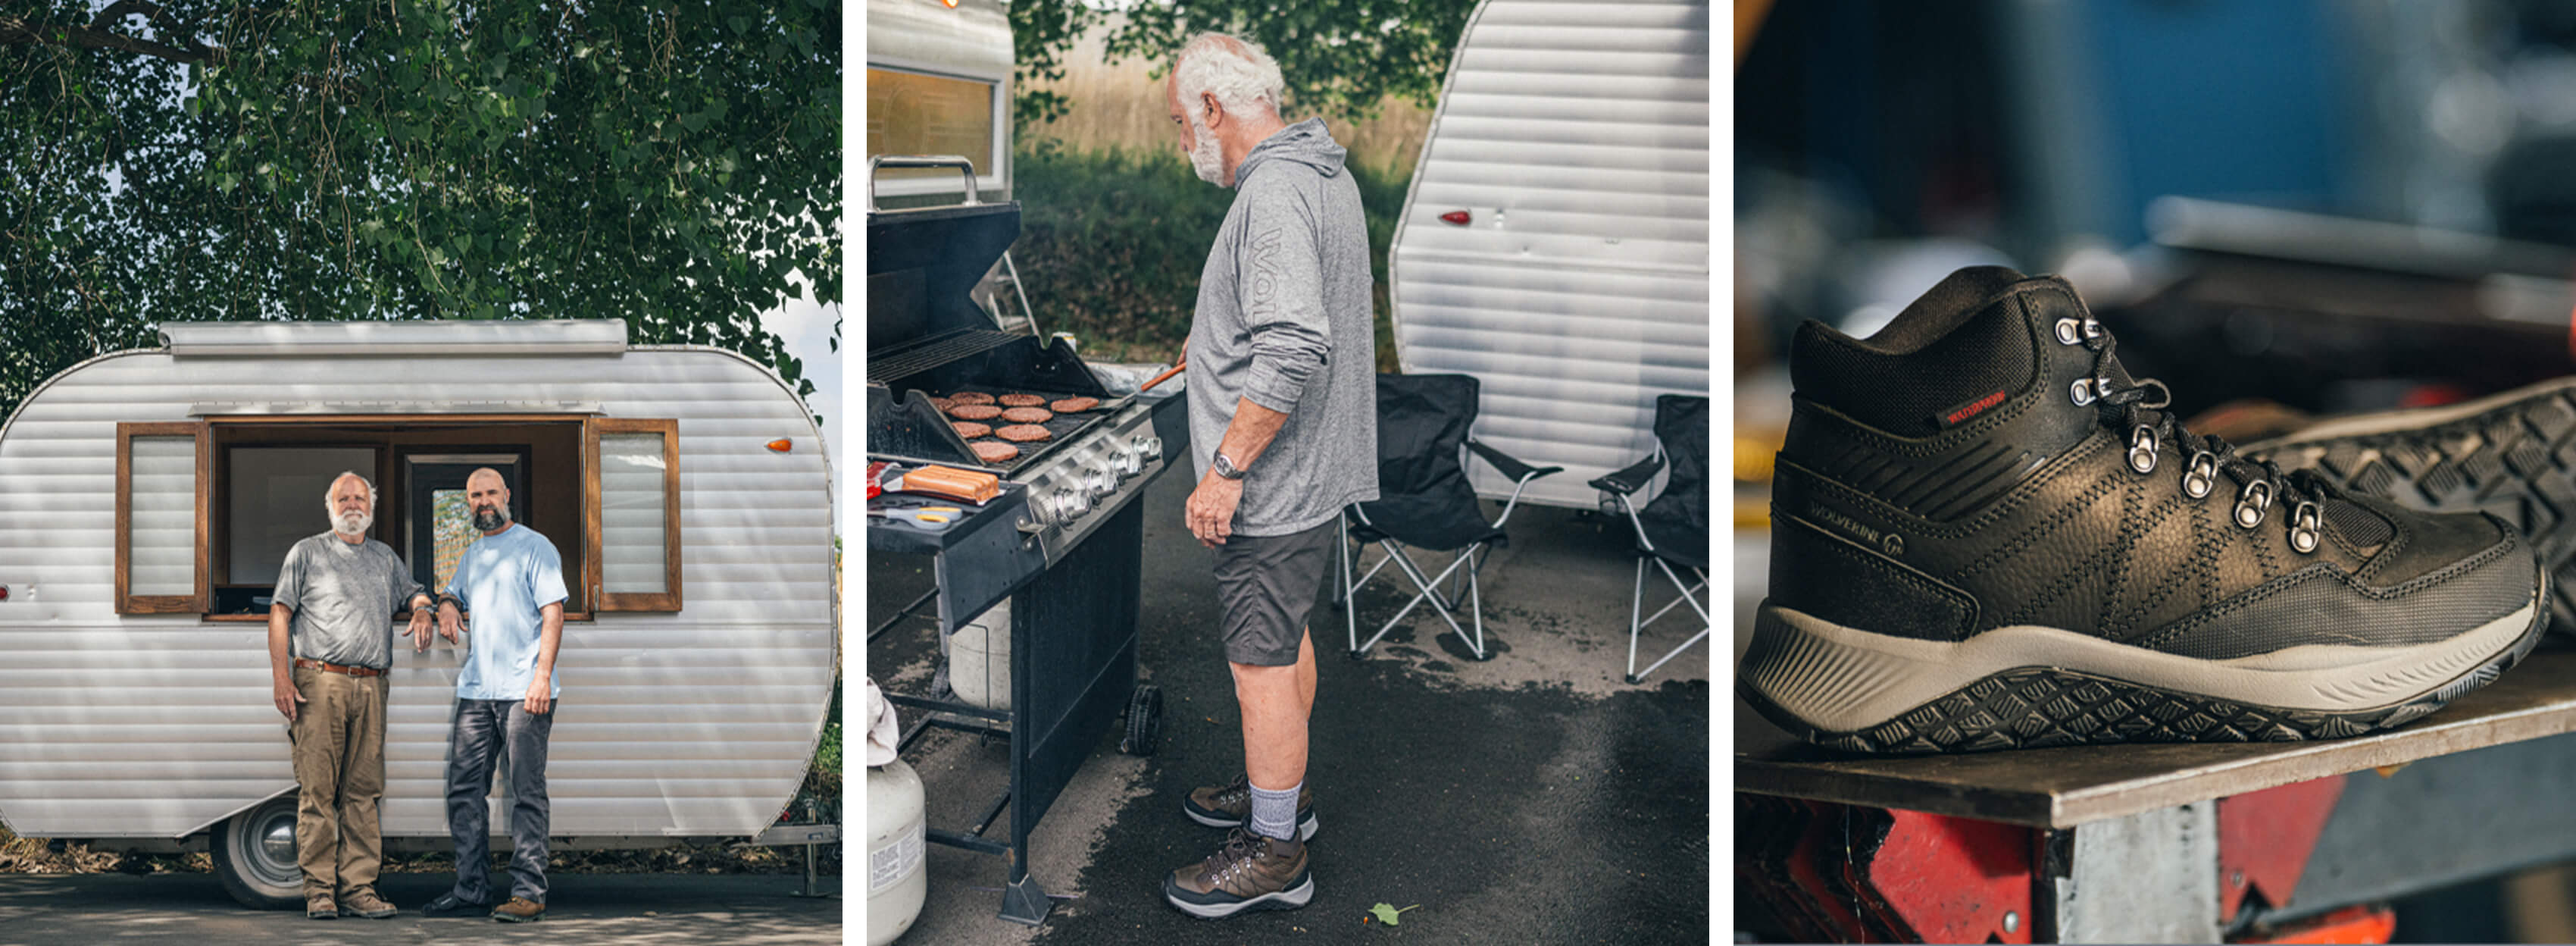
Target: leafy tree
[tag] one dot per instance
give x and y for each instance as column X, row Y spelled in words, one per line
column 1339, row 57
column 670, row 163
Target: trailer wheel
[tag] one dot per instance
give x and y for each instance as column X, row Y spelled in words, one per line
column 1144, row 720
column 254, row 854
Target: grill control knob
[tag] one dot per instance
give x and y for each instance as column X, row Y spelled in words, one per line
column 1127, row 461
column 1148, row 447
column 1103, row 478
column 1076, row 503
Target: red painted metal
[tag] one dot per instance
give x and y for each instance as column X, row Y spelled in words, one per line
column 2362, row 924
column 1950, row 880
column 1868, row 875
column 2264, row 839
column 1458, row 217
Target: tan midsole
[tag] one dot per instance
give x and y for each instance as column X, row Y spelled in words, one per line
column 1841, row 679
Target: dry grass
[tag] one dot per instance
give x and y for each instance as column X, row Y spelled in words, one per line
column 1120, row 105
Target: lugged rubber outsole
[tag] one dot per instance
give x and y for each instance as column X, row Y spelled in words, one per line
column 2511, row 454
column 2036, row 707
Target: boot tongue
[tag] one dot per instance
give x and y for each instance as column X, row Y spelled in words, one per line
column 1953, row 353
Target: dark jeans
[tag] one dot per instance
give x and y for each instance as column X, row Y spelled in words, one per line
column 482, row 732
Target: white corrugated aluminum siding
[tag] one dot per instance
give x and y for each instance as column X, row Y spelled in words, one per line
column 694, row 723
column 1576, row 136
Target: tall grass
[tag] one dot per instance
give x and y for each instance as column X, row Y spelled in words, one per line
column 1112, row 242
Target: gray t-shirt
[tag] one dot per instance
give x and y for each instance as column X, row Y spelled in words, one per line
column 1284, row 320
column 344, row 598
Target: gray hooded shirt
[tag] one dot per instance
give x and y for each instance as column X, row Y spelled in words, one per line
column 1285, row 319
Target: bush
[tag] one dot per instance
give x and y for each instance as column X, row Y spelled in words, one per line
column 1112, row 242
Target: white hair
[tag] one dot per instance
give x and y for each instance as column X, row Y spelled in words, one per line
column 328, row 492
column 1241, row 76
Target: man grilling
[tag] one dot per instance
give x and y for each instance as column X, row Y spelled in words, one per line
column 512, row 580
column 330, row 641
column 1282, row 358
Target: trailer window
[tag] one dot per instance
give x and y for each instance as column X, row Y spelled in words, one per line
column 276, row 500
column 912, row 113
column 161, row 504
column 635, row 520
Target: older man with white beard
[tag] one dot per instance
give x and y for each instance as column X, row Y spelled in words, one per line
column 330, row 641
column 1283, row 390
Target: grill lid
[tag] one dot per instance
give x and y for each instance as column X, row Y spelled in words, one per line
column 923, row 263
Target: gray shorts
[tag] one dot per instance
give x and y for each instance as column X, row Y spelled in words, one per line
column 1264, row 587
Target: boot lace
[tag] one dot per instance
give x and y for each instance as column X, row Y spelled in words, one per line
column 2136, row 408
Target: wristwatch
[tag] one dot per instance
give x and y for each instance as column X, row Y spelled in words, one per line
column 1225, row 468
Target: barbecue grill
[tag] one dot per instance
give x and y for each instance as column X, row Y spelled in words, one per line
column 1065, row 540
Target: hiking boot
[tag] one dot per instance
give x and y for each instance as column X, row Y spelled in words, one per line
column 365, row 903
column 519, row 910
column 1247, row 872
column 1230, row 805
column 320, row 908
column 1987, row 535
column 2510, row 455
column 449, row 904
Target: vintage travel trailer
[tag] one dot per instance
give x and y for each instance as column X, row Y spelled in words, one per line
column 147, row 498
column 1554, row 242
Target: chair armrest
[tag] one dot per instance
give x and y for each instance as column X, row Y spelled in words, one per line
column 1632, row 479
column 1519, row 472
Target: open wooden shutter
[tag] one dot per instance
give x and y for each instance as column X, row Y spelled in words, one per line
column 164, row 480
column 632, row 513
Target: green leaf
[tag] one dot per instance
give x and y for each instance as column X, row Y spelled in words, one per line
column 1386, row 912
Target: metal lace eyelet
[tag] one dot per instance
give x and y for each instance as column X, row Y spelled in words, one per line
column 2082, row 393
column 2142, row 449
column 2252, row 503
column 2092, row 329
column 2069, row 332
column 2200, row 474
column 2304, row 519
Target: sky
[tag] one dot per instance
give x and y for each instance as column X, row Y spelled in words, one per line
column 805, row 327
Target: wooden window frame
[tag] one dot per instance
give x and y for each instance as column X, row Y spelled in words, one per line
column 669, row 598
column 126, row 602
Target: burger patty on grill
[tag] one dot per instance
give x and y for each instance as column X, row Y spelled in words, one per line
column 1023, row 433
column 970, row 397
column 1027, row 415
column 974, row 412
column 991, row 452
column 1022, row 400
column 970, row 430
column 1074, row 405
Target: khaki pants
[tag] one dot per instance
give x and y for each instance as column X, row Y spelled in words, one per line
column 339, row 737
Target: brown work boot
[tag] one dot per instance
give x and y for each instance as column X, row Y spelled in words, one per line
column 1230, row 805
column 320, row 907
column 1249, row 872
column 365, row 903
column 519, row 910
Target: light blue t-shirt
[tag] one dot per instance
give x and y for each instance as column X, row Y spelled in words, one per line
column 505, row 578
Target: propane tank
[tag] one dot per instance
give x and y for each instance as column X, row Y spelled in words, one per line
column 979, row 659
column 897, row 885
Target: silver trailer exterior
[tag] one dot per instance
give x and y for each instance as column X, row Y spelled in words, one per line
column 1575, row 137
column 696, row 718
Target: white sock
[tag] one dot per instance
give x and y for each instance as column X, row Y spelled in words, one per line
column 1274, row 814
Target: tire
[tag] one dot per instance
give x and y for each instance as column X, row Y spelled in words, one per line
column 1144, row 720
column 250, row 860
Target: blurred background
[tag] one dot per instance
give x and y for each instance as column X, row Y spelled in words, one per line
column 2282, row 209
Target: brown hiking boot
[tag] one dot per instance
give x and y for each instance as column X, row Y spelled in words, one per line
column 1230, row 805
column 1248, row 872
column 519, row 910
column 365, row 903
column 320, row 907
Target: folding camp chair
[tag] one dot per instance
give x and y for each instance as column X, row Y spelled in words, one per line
column 1425, row 502
column 1673, row 529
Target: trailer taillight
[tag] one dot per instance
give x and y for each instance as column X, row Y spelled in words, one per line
column 4, row 592
column 782, row 445
column 1458, row 217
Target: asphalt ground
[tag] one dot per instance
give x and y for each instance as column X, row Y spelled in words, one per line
column 581, row 908
column 1535, row 797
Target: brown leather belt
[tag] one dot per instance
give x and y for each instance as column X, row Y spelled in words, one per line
column 311, row 664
